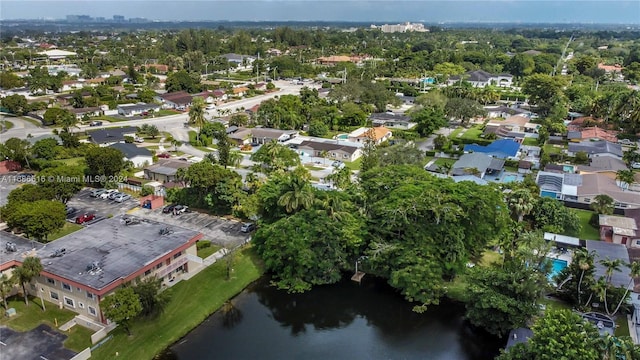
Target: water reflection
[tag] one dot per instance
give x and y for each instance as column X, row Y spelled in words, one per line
column 342, row 321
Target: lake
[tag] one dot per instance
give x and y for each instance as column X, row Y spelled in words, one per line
column 342, row 321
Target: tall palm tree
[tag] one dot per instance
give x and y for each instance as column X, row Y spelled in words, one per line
column 521, row 202
column 635, row 272
column 333, row 205
column 196, row 115
column 6, row 285
column 31, row 267
column 611, row 267
column 603, row 204
column 584, row 259
column 298, row 195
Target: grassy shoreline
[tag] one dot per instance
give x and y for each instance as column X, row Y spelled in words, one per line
column 192, row 301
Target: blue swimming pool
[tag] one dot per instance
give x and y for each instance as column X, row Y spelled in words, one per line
column 556, row 266
column 550, row 194
column 568, row 168
column 509, row 178
column 342, row 136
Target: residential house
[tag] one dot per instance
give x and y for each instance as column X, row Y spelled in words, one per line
column 109, row 136
column 139, row 156
column 592, row 134
column 238, row 59
column 477, row 164
column 618, row 229
column 481, row 79
column 240, row 136
column 69, row 85
column 559, row 186
column 179, row 100
column 240, row 91
column 140, row 108
column 610, row 69
column 332, row 149
column 58, row 54
column 88, row 111
column 606, row 184
column 262, row 86
column 376, row 134
column 609, row 251
column 394, row 121
column 157, row 68
column 336, row 59
column 581, row 122
column 503, row 149
column 516, row 126
column 265, row 135
column 504, row 111
column 602, row 164
column 165, row 170
column 524, row 167
column 212, row 96
column 99, row 260
column 7, row 166
column 66, row 99
column 596, row 148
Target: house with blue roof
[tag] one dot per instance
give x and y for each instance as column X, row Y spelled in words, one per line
column 503, row 148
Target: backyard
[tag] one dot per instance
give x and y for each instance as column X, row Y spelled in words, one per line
column 192, row 301
column 587, row 232
column 29, row 317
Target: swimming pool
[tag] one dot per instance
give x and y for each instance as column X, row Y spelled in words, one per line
column 556, row 266
column 568, row 168
column 549, row 194
column 509, row 178
column 342, row 136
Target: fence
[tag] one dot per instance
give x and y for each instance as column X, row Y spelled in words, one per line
column 83, row 355
column 136, row 188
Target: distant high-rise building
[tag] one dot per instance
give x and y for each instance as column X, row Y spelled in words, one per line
column 118, row 18
column 79, row 18
column 406, row 27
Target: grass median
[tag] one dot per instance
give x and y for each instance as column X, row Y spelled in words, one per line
column 192, row 301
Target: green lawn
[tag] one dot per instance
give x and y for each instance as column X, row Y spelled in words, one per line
column 587, row 232
column 29, row 317
column 208, row 251
column 472, row 133
column 7, row 124
column 529, row 141
column 32, row 121
column 353, row 165
column 455, row 133
column 165, row 112
column 108, row 118
column 191, row 303
column 442, row 161
column 554, row 304
column 553, row 149
column 76, row 161
column 67, row 229
column 313, row 168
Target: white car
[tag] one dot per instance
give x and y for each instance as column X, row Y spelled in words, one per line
column 105, row 195
column 211, row 107
column 122, row 198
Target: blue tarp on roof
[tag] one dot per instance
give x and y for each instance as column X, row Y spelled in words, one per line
column 500, row 148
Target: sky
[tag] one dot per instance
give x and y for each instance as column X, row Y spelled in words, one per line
column 430, row 11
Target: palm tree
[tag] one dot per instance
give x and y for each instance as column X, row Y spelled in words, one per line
column 31, row 267
column 298, row 195
column 333, row 205
column 611, row 267
column 635, row 272
column 6, row 285
column 584, row 259
column 625, row 177
column 235, row 158
column 603, row 204
column 196, row 115
column 521, row 202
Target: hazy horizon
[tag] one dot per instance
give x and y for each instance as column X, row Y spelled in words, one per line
column 505, row 11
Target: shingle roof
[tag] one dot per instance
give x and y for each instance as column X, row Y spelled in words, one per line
column 471, row 161
column 167, row 167
column 131, row 150
column 326, row 146
column 111, row 135
column 596, row 147
column 605, row 250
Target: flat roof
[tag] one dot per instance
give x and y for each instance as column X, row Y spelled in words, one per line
column 24, row 248
column 562, row 239
column 121, row 250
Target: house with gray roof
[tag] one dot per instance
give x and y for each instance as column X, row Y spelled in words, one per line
column 484, row 164
column 481, row 78
column 393, row 121
column 596, row 148
column 140, row 108
column 238, row 59
column 606, row 250
column 265, row 135
column 559, row 186
column 336, row 150
column 165, row 170
column 108, row 136
column 139, row 156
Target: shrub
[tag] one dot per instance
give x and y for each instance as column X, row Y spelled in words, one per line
column 203, row 244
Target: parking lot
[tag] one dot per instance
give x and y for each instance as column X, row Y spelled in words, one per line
column 40, row 343
column 219, row 231
column 83, row 203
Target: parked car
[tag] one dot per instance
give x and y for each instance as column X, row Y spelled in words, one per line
column 106, row 193
column 97, row 192
column 168, row 209
column 70, row 210
column 85, row 218
column 164, row 155
column 122, row 198
column 180, row 209
column 95, row 123
column 114, row 195
column 138, row 139
column 248, row 227
column 211, row 107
